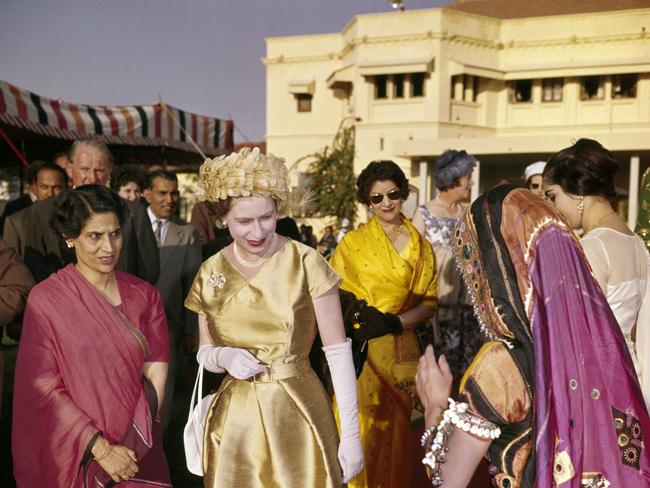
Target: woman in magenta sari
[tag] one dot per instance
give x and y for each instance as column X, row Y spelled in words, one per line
column 92, row 362
column 552, row 399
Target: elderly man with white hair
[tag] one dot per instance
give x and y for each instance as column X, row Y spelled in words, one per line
column 44, row 251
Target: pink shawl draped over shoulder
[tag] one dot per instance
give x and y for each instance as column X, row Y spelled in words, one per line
column 78, row 371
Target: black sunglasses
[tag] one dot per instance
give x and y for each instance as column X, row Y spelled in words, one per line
column 377, row 198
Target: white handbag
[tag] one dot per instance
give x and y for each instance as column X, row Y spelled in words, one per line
column 195, row 426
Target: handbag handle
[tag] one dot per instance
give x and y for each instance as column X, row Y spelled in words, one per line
column 197, row 391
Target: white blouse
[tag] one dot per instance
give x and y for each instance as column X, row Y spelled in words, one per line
column 621, row 264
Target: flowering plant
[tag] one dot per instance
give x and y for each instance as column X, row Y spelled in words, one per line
column 247, row 173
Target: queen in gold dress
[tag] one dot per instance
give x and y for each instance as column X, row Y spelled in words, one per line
column 390, row 266
column 261, row 301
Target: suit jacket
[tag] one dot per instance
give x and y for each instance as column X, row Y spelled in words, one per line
column 15, row 283
column 205, row 220
column 43, row 251
column 14, row 206
column 180, row 258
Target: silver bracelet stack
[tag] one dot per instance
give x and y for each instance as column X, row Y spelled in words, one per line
column 455, row 416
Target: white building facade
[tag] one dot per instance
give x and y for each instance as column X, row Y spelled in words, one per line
column 510, row 91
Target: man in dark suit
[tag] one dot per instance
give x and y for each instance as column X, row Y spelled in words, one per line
column 15, row 283
column 44, row 252
column 45, row 180
column 180, row 258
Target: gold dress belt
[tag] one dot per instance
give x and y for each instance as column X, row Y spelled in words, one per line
column 281, row 371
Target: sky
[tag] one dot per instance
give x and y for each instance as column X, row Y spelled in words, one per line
column 199, row 55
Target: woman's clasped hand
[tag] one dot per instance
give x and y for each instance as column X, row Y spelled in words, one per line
column 118, row 461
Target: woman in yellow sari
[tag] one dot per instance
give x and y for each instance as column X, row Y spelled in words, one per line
column 387, row 264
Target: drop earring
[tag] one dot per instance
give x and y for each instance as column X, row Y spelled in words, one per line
column 581, row 205
column 70, row 244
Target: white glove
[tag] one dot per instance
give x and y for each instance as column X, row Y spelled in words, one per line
column 239, row 363
column 344, row 380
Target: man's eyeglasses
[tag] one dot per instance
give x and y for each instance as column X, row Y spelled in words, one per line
column 377, row 198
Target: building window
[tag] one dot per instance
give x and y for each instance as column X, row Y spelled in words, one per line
column 475, row 88
column 552, row 89
column 593, row 88
column 381, row 86
column 304, row 102
column 398, row 86
column 522, row 91
column 457, row 87
column 417, row 84
column 624, row 86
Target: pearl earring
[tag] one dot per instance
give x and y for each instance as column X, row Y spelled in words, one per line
column 70, row 244
column 581, row 205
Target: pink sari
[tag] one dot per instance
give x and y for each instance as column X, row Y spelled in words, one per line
column 79, row 371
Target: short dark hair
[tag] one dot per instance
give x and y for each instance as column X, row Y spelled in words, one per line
column 51, row 167
column 32, row 169
column 78, row 205
column 61, row 154
column 123, row 175
column 381, row 170
column 160, row 173
column 585, row 169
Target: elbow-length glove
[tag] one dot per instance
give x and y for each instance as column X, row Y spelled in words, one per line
column 364, row 322
column 344, row 381
column 239, row 363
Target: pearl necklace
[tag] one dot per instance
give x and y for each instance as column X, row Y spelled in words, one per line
column 258, row 262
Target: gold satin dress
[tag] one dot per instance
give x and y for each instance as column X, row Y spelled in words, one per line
column 276, row 429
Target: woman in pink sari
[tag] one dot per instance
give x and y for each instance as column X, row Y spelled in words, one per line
column 92, row 362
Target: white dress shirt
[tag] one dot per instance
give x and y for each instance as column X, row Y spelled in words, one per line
column 163, row 224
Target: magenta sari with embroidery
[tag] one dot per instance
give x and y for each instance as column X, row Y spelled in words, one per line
column 79, row 371
column 582, row 421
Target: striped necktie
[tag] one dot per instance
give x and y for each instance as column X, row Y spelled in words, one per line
column 158, row 232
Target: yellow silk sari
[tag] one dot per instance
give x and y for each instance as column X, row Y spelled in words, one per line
column 393, row 282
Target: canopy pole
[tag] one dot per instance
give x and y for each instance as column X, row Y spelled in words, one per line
column 189, row 138
column 20, row 155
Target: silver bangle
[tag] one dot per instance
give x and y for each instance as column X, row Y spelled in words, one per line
column 427, row 435
column 455, row 416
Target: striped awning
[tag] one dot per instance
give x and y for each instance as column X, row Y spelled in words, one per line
column 136, row 125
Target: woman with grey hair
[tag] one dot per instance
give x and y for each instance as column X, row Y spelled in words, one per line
column 454, row 323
